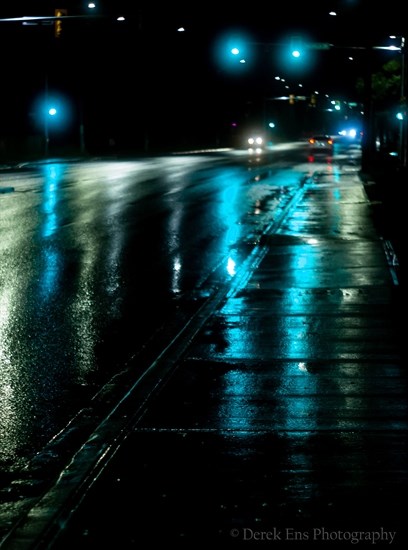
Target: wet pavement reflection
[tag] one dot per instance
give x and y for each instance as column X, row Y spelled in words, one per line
column 286, row 420
column 96, row 257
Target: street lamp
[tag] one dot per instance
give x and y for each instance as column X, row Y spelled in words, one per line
column 403, row 101
column 368, row 142
column 403, row 130
column 49, row 112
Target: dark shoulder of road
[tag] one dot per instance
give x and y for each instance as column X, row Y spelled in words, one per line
column 385, row 183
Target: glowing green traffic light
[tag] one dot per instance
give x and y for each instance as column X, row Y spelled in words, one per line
column 234, row 52
column 296, row 46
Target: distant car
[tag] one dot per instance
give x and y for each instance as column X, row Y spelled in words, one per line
column 256, row 144
column 351, row 134
column 321, row 143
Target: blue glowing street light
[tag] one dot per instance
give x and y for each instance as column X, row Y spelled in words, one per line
column 236, row 52
column 296, row 47
column 50, row 112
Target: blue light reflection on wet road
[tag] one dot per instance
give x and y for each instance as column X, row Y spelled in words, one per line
column 76, row 239
column 311, row 319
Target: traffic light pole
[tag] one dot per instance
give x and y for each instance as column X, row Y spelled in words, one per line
column 368, row 141
column 404, row 121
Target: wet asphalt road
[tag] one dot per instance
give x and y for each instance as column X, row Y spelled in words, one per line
column 281, row 420
column 102, row 263
column 95, row 258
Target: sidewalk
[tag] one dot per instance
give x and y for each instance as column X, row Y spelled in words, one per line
column 284, row 423
column 385, row 185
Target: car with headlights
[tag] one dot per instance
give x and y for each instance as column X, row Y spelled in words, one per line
column 352, row 135
column 321, row 144
column 256, row 144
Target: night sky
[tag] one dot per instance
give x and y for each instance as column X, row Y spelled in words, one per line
column 140, row 77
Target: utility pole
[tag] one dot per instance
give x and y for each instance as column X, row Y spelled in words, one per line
column 404, row 121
